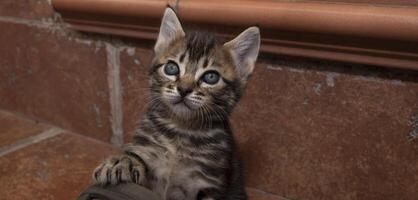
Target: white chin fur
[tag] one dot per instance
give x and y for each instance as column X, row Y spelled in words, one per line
column 182, row 110
column 186, row 108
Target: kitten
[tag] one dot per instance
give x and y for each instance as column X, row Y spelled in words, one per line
column 184, row 148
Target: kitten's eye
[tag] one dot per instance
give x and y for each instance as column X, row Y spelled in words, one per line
column 211, row 77
column 171, row 69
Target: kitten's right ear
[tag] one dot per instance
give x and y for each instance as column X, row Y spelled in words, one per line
column 170, row 30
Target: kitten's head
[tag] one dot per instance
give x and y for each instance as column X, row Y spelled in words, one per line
column 193, row 75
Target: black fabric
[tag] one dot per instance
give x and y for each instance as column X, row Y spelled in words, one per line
column 128, row 191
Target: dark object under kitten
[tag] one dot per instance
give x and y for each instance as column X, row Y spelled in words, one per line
column 184, row 148
column 122, row 191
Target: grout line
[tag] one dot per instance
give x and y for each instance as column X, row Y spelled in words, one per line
column 57, row 27
column 29, row 141
column 115, row 94
column 49, row 125
column 28, row 22
column 91, row 139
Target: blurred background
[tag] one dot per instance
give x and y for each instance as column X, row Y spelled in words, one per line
column 331, row 111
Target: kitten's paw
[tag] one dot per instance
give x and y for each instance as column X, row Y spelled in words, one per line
column 119, row 169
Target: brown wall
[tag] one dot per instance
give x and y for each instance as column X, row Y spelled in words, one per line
column 307, row 129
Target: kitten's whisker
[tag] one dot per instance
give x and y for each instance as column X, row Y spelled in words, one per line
column 201, row 120
column 207, row 120
column 220, row 113
column 225, row 114
column 202, row 112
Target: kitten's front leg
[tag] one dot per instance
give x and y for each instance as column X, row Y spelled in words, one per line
column 123, row 168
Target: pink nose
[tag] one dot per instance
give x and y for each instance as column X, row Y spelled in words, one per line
column 184, row 91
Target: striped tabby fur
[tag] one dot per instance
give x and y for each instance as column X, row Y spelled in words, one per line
column 184, row 148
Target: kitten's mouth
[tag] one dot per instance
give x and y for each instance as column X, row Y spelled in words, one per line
column 183, row 103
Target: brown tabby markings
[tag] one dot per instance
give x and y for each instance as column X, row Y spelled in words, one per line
column 184, row 148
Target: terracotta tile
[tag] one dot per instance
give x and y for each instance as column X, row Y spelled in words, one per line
column 57, row 168
column 54, row 78
column 254, row 194
column 13, row 128
column 28, row 9
column 313, row 134
column 134, row 70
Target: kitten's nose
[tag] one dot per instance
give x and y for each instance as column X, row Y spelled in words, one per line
column 184, row 91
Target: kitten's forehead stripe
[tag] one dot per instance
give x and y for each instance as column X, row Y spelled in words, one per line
column 206, row 63
column 199, row 44
column 182, row 56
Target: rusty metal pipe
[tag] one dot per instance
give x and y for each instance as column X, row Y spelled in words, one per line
column 400, row 23
column 340, row 23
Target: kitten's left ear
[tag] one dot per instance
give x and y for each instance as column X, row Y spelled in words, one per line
column 170, row 30
column 244, row 50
